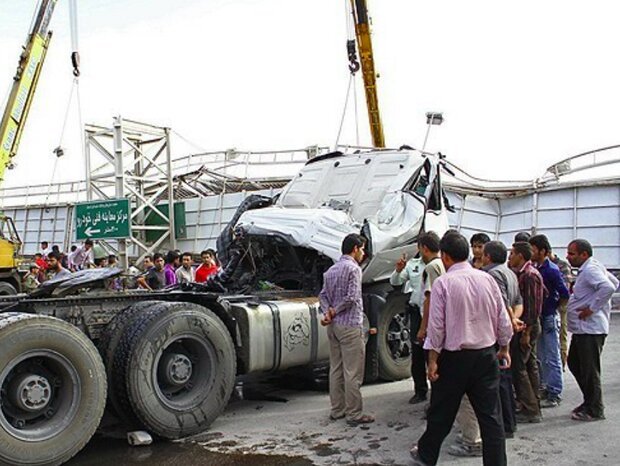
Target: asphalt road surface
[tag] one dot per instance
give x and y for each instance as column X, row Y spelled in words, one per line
column 282, row 426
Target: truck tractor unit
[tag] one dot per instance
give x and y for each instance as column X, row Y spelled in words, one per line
column 166, row 361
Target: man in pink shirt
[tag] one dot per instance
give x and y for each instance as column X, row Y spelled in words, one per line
column 467, row 318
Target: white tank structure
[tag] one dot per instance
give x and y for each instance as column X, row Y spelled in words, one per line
column 578, row 197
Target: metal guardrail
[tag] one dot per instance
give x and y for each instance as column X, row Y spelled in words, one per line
column 42, row 194
column 228, row 164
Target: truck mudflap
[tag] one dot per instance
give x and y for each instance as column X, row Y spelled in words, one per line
column 373, row 306
column 278, row 335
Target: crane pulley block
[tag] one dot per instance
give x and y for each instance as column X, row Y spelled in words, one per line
column 354, row 64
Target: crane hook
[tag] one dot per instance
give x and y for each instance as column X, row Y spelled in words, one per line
column 354, row 65
column 75, row 61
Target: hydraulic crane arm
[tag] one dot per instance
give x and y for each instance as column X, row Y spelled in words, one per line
column 25, row 84
column 364, row 44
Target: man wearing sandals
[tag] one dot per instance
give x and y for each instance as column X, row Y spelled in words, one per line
column 588, row 312
column 343, row 313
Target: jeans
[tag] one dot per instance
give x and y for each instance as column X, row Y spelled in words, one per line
column 549, row 355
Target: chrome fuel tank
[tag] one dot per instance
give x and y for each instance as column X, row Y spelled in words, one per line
column 280, row 334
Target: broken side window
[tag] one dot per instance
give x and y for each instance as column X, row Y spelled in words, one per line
column 426, row 187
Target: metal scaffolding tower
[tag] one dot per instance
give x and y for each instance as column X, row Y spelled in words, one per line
column 132, row 160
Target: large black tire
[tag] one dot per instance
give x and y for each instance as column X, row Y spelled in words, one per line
column 53, row 390
column 108, row 344
column 179, row 365
column 6, row 289
column 394, row 344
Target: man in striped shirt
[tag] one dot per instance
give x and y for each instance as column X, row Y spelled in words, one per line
column 526, row 377
column 467, row 318
column 343, row 311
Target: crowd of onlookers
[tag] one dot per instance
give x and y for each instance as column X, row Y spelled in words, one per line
column 489, row 330
column 174, row 268
column 156, row 271
column 51, row 262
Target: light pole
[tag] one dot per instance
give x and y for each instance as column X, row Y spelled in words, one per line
column 432, row 118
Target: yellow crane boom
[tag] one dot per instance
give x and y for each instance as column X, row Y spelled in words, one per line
column 364, row 44
column 11, row 129
column 24, row 84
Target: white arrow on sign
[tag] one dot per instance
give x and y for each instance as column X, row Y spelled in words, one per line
column 89, row 231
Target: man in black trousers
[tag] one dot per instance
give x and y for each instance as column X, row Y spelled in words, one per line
column 589, row 309
column 494, row 263
column 467, row 318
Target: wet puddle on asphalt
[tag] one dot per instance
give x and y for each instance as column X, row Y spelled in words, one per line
column 111, row 448
column 104, row 451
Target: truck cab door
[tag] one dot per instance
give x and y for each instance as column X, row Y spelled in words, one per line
column 10, row 243
column 427, row 187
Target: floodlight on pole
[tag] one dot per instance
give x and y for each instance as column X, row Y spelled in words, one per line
column 432, row 118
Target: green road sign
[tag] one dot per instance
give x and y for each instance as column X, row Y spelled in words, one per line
column 103, row 219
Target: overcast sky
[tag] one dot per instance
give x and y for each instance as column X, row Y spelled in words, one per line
column 522, row 85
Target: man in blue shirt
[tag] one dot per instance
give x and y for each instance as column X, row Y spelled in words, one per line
column 549, row 353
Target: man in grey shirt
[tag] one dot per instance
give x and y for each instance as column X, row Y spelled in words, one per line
column 494, row 263
column 588, row 312
column 55, row 266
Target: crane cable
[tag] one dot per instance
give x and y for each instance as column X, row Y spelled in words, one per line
column 75, row 90
column 354, row 67
column 357, row 121
column 59, row 150
column 344, row 110
column 75, row 61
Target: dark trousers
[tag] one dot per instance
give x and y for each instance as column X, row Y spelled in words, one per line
column 584, row 361
column 475, row 373
column 418, row 358
column 507, row 400
column 525, row 371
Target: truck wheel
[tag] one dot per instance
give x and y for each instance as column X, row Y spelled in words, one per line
column 53, row 390
column 108, row 344
column 394, row 344
column 179, row 363
column 6, row 289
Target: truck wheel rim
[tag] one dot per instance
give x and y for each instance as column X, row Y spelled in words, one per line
column 40, row 392
column 399, row 337
column 184, row 371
